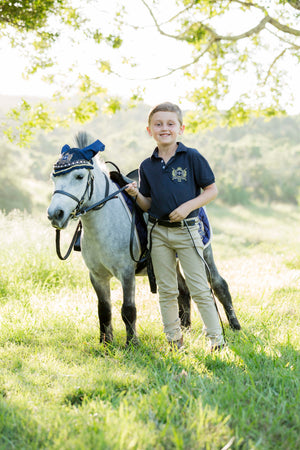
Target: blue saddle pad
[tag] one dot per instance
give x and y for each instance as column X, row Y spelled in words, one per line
column 140, row 223
column 204, row 227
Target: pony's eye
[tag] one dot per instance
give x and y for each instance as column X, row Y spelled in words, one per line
column 79, row 177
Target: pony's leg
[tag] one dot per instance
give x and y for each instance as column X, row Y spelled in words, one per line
column 102, row 288
column 128, row 311
column 220, row 288
column 184, row 300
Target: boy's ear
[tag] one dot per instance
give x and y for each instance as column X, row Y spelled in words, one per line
column 182, row 128
column 149, row 131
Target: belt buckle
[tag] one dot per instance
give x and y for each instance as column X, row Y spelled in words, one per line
column 189, row 222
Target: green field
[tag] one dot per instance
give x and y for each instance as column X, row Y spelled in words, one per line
column 61, row 389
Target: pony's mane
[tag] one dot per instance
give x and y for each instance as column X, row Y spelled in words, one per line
column 83, row 139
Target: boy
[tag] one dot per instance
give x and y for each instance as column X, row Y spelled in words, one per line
column 171, row 181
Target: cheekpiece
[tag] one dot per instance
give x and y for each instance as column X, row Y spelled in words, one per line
column 77, row 158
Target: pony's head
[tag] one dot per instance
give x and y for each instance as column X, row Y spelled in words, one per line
column 73, row 179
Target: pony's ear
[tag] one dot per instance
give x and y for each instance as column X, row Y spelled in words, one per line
column 91, row 150
column 65, row 149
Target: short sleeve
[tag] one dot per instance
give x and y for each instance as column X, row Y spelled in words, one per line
column 144, row 185
column 203, row 173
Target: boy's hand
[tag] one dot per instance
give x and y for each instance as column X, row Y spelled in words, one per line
column 179, row 213
column 132, row 189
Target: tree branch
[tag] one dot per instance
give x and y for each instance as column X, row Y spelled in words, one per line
column 294, row 3
column 213, row 34
column 254, row 30
column 184, row 66
column 158, row 26
column 273, row 64
column 215, row 37
column 280, row 38
column 283, row 28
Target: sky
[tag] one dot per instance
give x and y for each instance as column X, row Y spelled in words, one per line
column 154, row 53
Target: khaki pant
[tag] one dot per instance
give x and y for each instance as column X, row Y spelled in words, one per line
column 166, row 243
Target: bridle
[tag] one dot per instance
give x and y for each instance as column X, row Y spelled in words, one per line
column 79, row 210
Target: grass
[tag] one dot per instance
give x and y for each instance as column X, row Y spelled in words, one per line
column 61, row 389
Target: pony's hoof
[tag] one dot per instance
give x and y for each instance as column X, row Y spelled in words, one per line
column 234, row 324
column 133, row 342
column 106, row 339
column 185, row 324
column 185, row 328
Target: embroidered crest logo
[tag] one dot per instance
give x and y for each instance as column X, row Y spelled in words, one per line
column 67, row 156
column 179, row 174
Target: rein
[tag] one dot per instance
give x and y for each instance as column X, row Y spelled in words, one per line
column 57, row 242
column 78, row 211
column 99, row 204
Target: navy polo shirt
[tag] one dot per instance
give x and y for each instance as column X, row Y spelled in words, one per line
column 180, row 180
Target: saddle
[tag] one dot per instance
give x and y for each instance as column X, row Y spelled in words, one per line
column 121, row 180
column 138, row 217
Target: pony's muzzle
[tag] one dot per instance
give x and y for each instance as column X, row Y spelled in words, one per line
column 56, row 217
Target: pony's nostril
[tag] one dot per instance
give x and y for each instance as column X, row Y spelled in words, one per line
column 59, row 214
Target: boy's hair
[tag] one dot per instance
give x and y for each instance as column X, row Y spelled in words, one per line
column 166, row 106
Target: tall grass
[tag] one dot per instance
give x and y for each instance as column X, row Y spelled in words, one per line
column 61, row 389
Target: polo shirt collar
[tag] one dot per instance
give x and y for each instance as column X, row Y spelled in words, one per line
column 180, row 149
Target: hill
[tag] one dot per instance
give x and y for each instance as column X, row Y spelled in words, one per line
column 258, row 161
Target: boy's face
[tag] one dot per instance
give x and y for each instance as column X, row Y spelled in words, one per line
column 165, row 127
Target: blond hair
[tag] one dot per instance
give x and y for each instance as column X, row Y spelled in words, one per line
column 166, row 106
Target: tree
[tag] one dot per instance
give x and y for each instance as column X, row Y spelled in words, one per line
column 259, row 54
column 26, row 22
column 38, row 29
column 241, row 52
